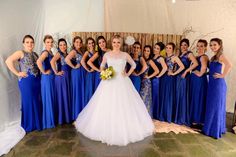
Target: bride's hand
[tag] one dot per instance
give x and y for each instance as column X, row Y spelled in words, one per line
column 124, row 74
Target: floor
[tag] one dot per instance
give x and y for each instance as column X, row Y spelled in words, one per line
column 64, row 141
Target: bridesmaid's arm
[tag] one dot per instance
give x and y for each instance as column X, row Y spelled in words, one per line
column 91, row 60
column 180, row 64
column 193, row 64
column 104, row 61
column 10, row 63
column 228, row 66
column 40, row 60
column 154, row 67
column 164, row 67
column 83, row 62
column 68, row 59
column 53, row 64
column 144, row 66
column 204, row 60
column 132, row 63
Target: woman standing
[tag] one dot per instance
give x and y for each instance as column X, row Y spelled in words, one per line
column 78, row 73
column 156, row 81
column 198, row 85
column 181, row 108
column 29, row 84
column 141, row 66
column 91, row 74
column 62, row 84
column 47, row 83
column 215, row 116
column 146, row 84
column 167, row 88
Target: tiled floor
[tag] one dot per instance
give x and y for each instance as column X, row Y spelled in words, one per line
column 65, row 141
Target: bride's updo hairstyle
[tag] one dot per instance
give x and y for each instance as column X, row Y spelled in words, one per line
column 117, row 37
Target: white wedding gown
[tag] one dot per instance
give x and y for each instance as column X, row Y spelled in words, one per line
column 115, row 114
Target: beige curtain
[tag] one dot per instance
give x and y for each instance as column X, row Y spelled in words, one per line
column 143, row 38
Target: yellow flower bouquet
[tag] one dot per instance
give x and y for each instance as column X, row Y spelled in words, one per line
column 107, row 73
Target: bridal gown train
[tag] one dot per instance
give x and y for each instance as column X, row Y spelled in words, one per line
column 115, row 114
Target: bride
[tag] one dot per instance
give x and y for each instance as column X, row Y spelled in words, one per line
column 115, row 114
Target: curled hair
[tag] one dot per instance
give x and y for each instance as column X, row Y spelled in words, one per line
column 100, row 52
column 74, row 39
column 27, row 36
column 151, row 53
column 161, row 45
column 220, row 51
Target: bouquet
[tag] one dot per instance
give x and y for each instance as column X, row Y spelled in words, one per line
column 107, row 73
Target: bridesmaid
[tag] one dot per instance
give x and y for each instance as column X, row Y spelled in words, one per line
column 29, row 84
column 181, row 108
column 215, row 116
column 91, row 74
column 167, row 87
column 78, row 73
column 198, row 85
column 95, row 61
column 62, row 84
column 146, row 85
column 47, row 83
column 156, row 81
column 141, row 66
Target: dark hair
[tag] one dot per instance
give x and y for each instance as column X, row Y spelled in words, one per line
column 220, row 51
column 184, row 41
column 27, row 36
column 151, row 53
column 161, row 45
column 47, row 37
column 100, row 52
column 203, row 41
column 171, row 44
column 74, row 39
column 61, row 40
column 137, row 43
column 89, row 38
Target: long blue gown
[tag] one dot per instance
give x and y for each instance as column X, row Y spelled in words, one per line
column 198, row 94
column 62, row 89
column 146, row 91
column 48, row 93
column 136, row 80
column 167, row 93
column 156, row 90
column 31, row 105
column 90, row 83
column 181, row 108
column 215, row 117
column 78, row 77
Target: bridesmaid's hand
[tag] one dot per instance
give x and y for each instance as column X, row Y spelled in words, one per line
column 124, row 74
column 218, row 75
column 146, row 77
column 47, row 72
column 170, row 73
column 60, row 73
column 22, row 74
column 184, row 74
column 91, row 70
column 77, row 66
column 196, row 73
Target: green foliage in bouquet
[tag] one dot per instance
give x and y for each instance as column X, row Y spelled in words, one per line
column 107, row 73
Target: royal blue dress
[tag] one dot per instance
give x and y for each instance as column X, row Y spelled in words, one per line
column 62, row 90
column 90, row 83
column 48, row 93
column 136, row 80
column 215, row 117
column 198, row 94
column 181, row 107
column 78, row 77
column 146, row 91
column 167, row 93
column 156, row 90
column 31, row 107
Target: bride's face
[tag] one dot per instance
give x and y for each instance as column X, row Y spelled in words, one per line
column 116, row 44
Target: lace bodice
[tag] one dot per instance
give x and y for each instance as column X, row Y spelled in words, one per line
column 117, row 61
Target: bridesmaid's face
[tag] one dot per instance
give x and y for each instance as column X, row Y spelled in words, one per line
column 63, row 46
column 102, row 43
column 214, row 46
column 28, row 44
column 184, row 47
column 146, row 52
column 156, row 50
column 136, row 48
column 169, row 49
column 91, row 45
column 201, row 48
column 78, row 44
column 116, row 44
column 48, row 43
